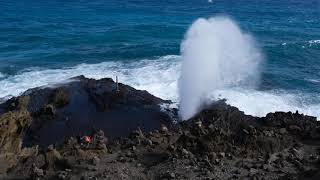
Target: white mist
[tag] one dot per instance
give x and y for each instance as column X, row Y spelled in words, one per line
column 216, row 55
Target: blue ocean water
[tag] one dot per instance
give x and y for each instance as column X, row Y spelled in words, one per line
column 45, row 42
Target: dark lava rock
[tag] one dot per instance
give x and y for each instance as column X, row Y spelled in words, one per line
column 82, row 105
column 138, row 141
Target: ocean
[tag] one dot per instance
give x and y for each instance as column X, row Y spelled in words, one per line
column 47, row 42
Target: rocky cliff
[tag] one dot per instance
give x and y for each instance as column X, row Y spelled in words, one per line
column 134, row 139
column 49, row 115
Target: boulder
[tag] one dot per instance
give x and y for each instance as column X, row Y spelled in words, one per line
column 81, row 105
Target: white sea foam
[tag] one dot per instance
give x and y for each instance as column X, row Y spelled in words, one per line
column 159, row 77
column 316, row 81
column 314, row 42
column 260, row 103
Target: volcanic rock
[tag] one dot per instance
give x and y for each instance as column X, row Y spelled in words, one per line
column 81, row 105
column 221, row 142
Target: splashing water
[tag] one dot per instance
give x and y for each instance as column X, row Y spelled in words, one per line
column 216, row 55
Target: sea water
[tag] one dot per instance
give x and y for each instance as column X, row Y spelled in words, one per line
column 46, row 42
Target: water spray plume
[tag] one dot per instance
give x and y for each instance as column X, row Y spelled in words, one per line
column 216, row 55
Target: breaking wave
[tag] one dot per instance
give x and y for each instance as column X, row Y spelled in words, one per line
column 159, row 76
column 152, row 75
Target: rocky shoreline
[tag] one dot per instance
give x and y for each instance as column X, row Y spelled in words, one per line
column 134, row 138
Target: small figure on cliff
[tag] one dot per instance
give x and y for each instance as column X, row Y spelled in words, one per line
column 86, row 141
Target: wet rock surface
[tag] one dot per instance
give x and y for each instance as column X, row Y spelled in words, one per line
column 221, row 142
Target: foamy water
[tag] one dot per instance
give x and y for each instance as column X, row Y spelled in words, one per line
column 159, row 77
column 113, row 39
column 314, row 41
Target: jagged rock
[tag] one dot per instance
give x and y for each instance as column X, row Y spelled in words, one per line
column 55, row 111
column 61, row 98
column 164, row 129
column 283, row 131
column 100, row 140
column 49, row 110
column 50, row 147
column 168, row 175
column 245, row 131
column 13, row 126
column 129, row 154
column 295, row 129
column 185, row 152
column 266, row 167
column 171, row 148
column 213, row 156
column 63, row 175
column 95, row 160
column 220, row 142
column 297, row 154
column 148, row 142
column 253, row 172
column 36, row 173
column 222, row 154
column 53, row 157
column 27, row 152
